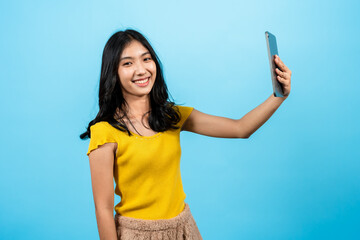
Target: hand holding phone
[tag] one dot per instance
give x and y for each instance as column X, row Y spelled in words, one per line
column 272, row 51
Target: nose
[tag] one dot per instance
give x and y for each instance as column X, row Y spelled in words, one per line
column 140, row 69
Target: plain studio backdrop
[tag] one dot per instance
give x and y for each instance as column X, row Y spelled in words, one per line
column 297, row 177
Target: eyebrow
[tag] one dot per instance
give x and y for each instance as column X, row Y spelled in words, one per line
column 132, row 57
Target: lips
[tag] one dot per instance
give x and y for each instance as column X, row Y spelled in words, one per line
column 140, row 79
column 142, row 82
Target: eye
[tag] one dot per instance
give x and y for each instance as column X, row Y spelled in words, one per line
column 126, row 64
column 148, row 58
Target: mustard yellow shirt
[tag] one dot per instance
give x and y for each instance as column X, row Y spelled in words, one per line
column 147, row 170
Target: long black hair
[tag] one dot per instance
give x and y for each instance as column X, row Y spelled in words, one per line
column 163, row 115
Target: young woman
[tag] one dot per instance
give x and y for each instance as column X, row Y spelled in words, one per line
column 135, row 139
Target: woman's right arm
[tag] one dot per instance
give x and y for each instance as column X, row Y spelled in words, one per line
column 101, row 167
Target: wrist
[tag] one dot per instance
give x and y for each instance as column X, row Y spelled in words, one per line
column 282, row 98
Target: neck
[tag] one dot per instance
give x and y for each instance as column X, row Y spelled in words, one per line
column 137, row 106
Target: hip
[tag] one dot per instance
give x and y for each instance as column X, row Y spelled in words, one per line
column 182, row 226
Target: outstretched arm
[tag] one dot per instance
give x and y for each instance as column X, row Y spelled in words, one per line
column 215, row 126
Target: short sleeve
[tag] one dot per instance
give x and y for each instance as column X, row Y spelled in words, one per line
column 100, row 133
column 185, row 113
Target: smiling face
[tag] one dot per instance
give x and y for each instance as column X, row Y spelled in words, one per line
column 137, row 71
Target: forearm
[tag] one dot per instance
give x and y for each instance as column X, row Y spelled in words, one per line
column 259, row 115
column 106, row 224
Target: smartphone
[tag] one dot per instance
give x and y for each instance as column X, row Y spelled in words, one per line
column 273, row 50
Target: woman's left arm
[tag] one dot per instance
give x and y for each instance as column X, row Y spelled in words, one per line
column 215, row 126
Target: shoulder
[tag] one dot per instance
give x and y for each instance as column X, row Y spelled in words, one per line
column 185, row 112
column 183, row 109
column 101, row 128
column 101, row 133
column 101, row 125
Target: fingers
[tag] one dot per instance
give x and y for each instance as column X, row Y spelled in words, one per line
column 280, row 73
column 281, row 65
column 280, row 79
column 283, row 77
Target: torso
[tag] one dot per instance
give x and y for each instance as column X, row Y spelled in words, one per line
column 141, row 128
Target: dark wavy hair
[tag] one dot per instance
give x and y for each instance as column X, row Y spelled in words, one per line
column 162, row 116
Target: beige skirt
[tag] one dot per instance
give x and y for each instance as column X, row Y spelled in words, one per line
column 183, row 227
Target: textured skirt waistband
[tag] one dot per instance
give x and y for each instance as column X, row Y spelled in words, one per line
column 182, row 226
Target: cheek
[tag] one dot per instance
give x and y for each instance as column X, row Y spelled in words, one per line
column 124, row 76
column 153, row 68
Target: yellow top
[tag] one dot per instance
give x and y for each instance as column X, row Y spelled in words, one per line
column 147, row 170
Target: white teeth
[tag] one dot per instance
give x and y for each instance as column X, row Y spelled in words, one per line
column 142, row 81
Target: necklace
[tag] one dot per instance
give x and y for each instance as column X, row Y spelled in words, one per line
column 132, row 125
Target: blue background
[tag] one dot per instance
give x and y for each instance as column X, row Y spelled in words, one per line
column 297, row 177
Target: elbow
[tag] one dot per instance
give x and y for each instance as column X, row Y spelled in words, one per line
column 245, row 135
column 104, row 207
column 242, row 134
column 242, row 130
column 102, row 212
